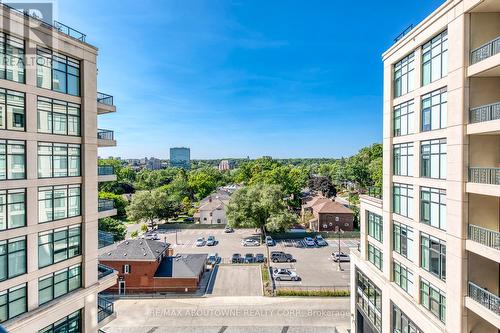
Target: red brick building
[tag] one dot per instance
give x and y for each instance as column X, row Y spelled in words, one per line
column 147, row 266
column 329, row 215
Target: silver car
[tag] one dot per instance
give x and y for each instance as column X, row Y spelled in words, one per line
column 340, row 256
column 283, row 274
column 250, row 242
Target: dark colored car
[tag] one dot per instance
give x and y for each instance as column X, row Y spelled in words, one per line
column 249, row 258
column 283, row 257
column 236, row 258
column 259, row 257
column 276, row 253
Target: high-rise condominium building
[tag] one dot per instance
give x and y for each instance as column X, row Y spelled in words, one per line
column 49, row 276
column 430, row 244
column 180, row 157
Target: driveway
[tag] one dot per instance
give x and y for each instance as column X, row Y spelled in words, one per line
column 237, row 280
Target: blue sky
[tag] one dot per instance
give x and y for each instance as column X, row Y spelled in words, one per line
column 242, row 78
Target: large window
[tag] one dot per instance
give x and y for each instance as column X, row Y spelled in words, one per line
column 58, row 117
column 433, row 207
column 401, row 322
column 433, row 299
column 12, row 209
column 375, row 256
column 13, row 302
column 435, row 58
column 69, row 324
column 58, row 245
column 433, row 158
column 59, row 283
column 402, row 202
column 404, row 75
column 58, row 160
column 402, row 240
column 403, row 277
column 434, row 110
column 58, row 72
column 12, row 110
column 12, row 159
column 375, row 225
column 403, row 159
column 404, row 121
column 369, row 299
column 58, row 202
column 12, row 258
column 12, row 53
column 433, row 255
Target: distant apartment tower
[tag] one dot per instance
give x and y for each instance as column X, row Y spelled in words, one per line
column 49, row 207
column 430, row 243
column 153, row 163
column 180, row 157
column 226, row 165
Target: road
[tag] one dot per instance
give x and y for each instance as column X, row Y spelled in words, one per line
column 232, row 314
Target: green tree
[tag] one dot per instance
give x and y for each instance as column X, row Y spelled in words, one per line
column 113, row 226
column 152, row 206
column 260, row 206
column 119, row 201
column 204, row 181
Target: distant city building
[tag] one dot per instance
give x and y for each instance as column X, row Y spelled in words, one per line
column 180, row 157
column 226, row 165
column 153, row 163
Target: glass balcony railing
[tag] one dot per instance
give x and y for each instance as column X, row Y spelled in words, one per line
column 375, row 192
column 484, row 175
column 105, row 134
column 104, row 99
column 105, row 239
column 105, row 170
column 485, row 51
column 484, row 297
column 484, row 236
column 103, row 270
column 105, row 204
column 484, row 113
column 105, row 308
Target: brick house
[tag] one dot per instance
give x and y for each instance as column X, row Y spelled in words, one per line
column 147, row 266
column 328, row 215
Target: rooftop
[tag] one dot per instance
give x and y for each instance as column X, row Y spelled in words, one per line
column 331, row 207
column 182, row 266
column 136, row 249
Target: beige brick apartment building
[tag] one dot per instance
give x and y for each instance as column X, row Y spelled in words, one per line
column 430, row 245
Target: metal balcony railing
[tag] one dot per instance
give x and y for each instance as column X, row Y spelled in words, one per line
column 484, row 297
column 105, row 134
column 55, row 25
column 105, row 308
column 104, row 99
column 105, row 239
column 375, row 192
column 403, row 33
column 105, row 204
column 484, row 236
column 103, row 270
column 485, row 51
column 105, row 170
column 484, row 175
column 484, row 113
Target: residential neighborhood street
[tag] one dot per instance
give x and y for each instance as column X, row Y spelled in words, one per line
column 231, row 315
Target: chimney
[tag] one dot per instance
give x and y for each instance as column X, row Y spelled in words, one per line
column 210, row 199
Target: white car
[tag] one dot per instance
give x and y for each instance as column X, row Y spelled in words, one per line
column 309, row 241
column 200, row 242
column 250, row 242
column 153, row 236
column 281, row 274
column 340, row 256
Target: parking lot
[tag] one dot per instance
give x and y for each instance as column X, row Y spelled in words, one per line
column 314, row 265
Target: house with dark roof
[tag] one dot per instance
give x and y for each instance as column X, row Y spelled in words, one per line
column 328, row 215
column 147, row 266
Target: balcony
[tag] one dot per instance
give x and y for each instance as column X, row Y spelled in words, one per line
column 484, row 236
column 105, row 138
column 106, row 208
column 103, row 270
column 484, row 181
column 484, row 119
column 372, row 196
column 485, row 51
column 105, row 103
column 485, row 59
column 484, row 303
column 105, row 309
column 106, row 173
column 105, row 239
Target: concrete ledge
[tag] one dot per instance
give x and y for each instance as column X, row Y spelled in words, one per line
column 485, row 127
column 485, row 189
column 106, row 143
column 106, row 178
column 486, row 67
column 482, row 250
column 107, row 213
column 105, row 108
column 483, row 312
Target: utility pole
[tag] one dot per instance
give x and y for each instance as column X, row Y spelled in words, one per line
column 339, row 231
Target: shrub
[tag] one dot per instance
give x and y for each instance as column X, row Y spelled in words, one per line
column 314, row 293
column 113, row 226
column 134, row 234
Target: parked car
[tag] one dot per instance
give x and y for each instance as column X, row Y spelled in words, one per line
column 259, row 257
column 189, row 219
column 211, row 241
column 228, row 230
column 270, row 241
column 213, row 259
column 309, row 241
column 282, row 257
column 200, row 242
column 250, row 242
column 153, row 236
column 280, row 274
column 248, row 258
column 236, row 258
column 320, row 241
column 276, row 253
column 340, row 256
